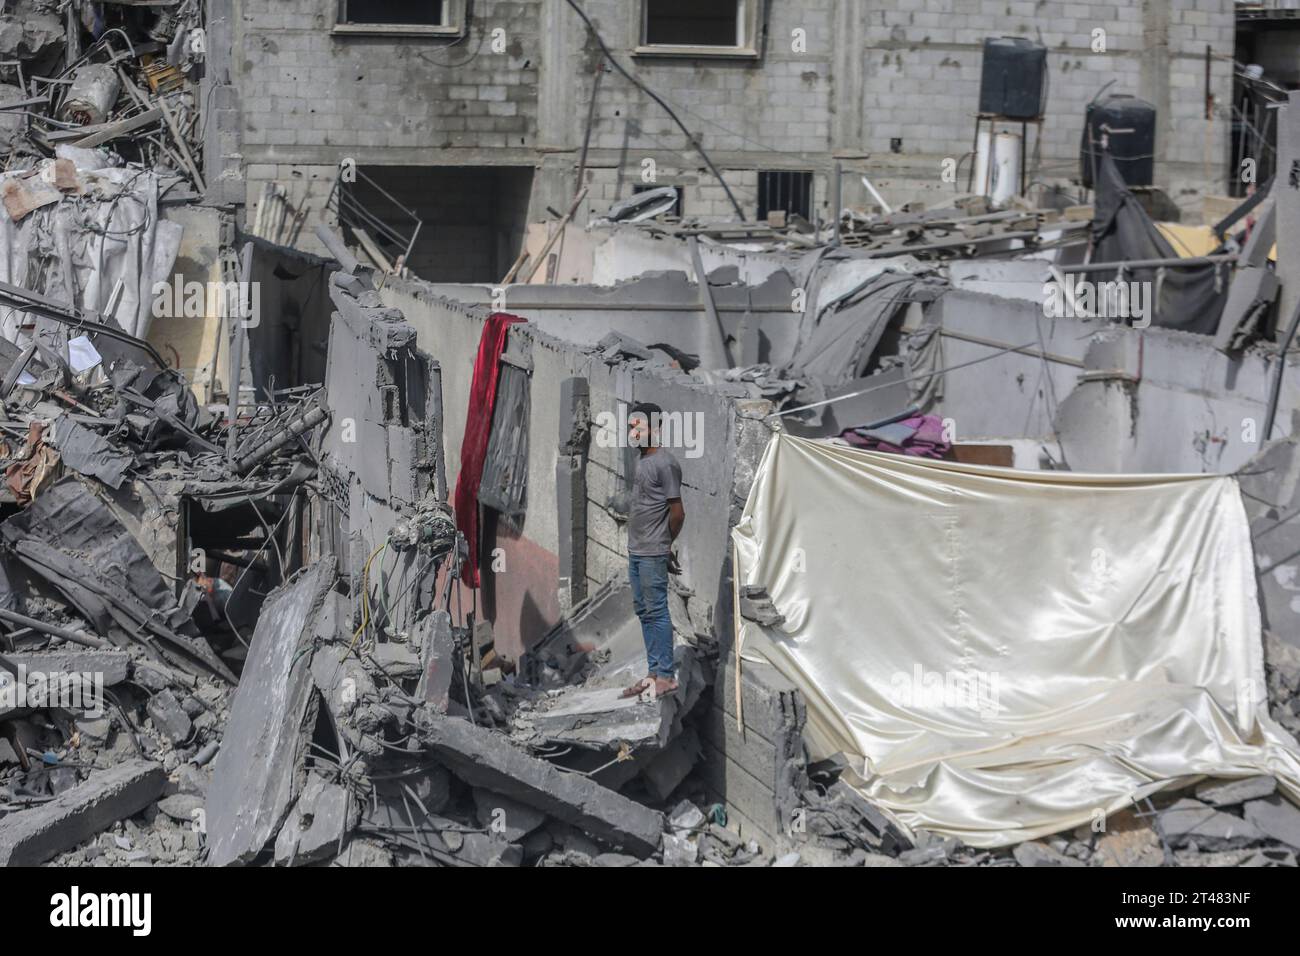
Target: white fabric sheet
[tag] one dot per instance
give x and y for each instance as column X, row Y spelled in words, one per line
column 1005, row 654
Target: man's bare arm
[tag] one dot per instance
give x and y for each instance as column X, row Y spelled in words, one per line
column 676, row 517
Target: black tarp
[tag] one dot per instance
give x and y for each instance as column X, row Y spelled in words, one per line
column 1189, row 298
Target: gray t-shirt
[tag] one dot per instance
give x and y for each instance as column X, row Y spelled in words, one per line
column 658, row 478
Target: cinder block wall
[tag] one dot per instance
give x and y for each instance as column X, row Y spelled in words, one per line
column 526, row 594
column 759, row 772
column 896, row 84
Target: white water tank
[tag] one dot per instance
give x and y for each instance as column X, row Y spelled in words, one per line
column 1000, row 179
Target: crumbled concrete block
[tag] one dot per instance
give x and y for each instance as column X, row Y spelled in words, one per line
column 181, row 807
column 480, row 849
column 507, row 819
column 169, row 717
column 672, row 765
column 680, row 850
column 1040, row 854
column 30, row 837
column 486, row 759
column 359, row 851
column 1129, row 840
column 317, row 824
column 615, row 859
column 397, row 660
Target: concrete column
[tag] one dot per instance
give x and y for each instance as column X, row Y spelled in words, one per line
column 222, row 161
column 571, row 490
column 850, row 41
column 1153, row 83
column 1286, row 193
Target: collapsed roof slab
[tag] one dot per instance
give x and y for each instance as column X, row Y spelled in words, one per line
column 259, row 770
column 485, row 758
column 30, row 837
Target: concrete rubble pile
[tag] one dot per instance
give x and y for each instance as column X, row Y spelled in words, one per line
column 100, row 127
column 254, row 616
column 136, row 543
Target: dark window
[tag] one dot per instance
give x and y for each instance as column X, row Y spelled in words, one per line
column 418, row 12
column 791, row 191
column 692, row 22
column 505, row 466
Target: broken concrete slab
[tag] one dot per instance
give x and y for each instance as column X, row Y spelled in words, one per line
column 1226, row 793
column 258, row 771
column 1190, row 821
column 108, row 666
column 486, row 759
column 30, row 837
column 317, row 824
column 1277, row 817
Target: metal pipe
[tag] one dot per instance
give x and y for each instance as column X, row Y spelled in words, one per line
column 838, row 202
column 284, row 436
column 74, row 637
column 1148, row 263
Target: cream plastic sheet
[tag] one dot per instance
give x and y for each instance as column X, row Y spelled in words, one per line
column 1005, row 654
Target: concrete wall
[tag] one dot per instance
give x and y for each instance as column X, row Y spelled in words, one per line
column 523, row 598
column 866, row 77
column 1118, row 399
column 195, row 344
column 757, row 772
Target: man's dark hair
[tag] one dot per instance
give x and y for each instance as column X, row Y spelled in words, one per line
column 649, row 409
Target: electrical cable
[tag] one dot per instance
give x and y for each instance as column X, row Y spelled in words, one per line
column 690, row 137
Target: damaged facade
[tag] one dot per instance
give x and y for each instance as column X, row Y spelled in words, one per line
column 324, row 322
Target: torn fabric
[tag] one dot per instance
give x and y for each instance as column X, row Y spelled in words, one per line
column 1005, row 654
column 104, row 230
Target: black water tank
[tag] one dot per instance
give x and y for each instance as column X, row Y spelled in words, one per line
column 1133, row 151
column 1014, row 82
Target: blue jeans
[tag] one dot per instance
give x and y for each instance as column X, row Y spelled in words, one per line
column 648, row 576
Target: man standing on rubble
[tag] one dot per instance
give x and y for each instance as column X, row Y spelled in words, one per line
column 656, row 517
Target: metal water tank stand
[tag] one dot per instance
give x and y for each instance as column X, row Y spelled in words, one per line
column 993, row 119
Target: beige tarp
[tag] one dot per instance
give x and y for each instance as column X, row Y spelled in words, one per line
column 1005, row 654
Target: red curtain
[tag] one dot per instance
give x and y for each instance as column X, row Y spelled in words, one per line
column 478, row 427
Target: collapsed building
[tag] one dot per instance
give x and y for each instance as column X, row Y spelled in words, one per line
column 330, row 568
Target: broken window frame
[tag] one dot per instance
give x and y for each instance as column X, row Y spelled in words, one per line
column 453, row 25
column 503, row 485
column 747, row 32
